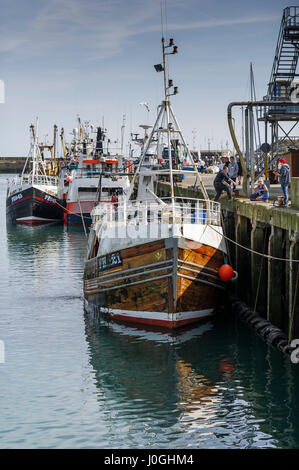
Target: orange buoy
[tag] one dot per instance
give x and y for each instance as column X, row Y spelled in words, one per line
column 226, row 272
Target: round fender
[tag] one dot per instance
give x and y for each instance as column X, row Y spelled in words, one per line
column 261, row 324
column 282, row 344
column 255, row 320
column 271, row 334
column 251, row 315
column 242, row 309
column 263, row 332
column 246, row 319
column 287, row 349
column 275, row 337
column 237, row 306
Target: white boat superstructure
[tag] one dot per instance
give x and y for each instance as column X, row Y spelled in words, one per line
column 98, row 175
column 132, row 223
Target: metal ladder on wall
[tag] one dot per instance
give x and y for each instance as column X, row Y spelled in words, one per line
column 283, row 70
column 286, row 54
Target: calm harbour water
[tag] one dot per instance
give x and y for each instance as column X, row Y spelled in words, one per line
column 67, row 383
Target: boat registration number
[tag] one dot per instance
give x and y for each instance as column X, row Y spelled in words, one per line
column 17, row 197
column 109, row 261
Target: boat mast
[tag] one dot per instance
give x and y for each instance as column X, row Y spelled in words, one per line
column 62, row 142
column 167, row 123
column 54, row 148
column 122, row 134
column 167, row 107
column 34, row 153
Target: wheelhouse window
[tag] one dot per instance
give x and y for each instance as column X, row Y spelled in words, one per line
column 111, row 191
column 87, row 190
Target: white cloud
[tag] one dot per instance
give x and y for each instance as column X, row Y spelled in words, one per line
column 96, row 29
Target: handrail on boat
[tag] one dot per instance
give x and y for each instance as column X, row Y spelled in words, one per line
column 37, row 179
column 184, row 210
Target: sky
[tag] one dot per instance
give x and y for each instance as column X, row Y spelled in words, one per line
column 94, row 58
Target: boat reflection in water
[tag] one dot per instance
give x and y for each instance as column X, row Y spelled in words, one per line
column 183, row 381
column 145, row 372
column 201, row 385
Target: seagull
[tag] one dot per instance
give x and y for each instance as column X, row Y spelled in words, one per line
column 145, row 104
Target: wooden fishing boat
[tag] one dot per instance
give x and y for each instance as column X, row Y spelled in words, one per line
column 166, row 275
column 155, row 260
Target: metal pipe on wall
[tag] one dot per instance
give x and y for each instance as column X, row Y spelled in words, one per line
column 232, row 131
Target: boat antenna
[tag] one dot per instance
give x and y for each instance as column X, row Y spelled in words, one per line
column 34, row 156
column 167, row 123
column 122, row 133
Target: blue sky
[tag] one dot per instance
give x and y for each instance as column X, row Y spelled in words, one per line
column 61, row 58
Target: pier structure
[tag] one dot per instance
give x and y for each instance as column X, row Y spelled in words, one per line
column 263, row 241
column 12, row 164
column 277, row 113
column 282, row 120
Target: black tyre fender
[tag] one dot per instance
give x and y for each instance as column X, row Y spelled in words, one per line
column 261, row 324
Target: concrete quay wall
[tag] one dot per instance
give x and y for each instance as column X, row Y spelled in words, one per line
column 270, row 283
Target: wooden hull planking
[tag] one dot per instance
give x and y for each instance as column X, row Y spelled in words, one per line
column 170, row 283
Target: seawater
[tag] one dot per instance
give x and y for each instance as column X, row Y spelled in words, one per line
column 70, row 383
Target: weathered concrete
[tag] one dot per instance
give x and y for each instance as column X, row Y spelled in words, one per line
column 12, row 164
column 295, row 192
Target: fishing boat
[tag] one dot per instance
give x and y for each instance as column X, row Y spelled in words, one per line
column 155, row 260
column 94, row 174
column 32, row 196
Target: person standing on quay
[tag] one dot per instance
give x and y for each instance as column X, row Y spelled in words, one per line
column 233, row 169
column 284, row 179
column 222, row 183
column 240, row 171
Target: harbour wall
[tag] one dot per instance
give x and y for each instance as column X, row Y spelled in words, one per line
column 263, row 242
column 12, row 164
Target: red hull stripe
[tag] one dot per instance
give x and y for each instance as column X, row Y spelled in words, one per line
column 44, row 200
column 33, row 222
column 162, row 323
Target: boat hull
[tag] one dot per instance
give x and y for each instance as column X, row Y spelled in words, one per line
column 33, row 206
column 166, row 283
column 77, row 213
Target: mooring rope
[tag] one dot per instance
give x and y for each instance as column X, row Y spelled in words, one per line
column 260, row 276
column 256, row 252
column 82, row 218
column 73, row 213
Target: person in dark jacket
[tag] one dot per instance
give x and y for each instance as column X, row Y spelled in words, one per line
column 240, row 171
column 284, row 179
column 222, row 183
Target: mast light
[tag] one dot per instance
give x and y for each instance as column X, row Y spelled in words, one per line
column 159, row 68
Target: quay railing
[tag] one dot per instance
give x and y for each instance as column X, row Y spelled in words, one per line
column 37, row 179
column 85, row 173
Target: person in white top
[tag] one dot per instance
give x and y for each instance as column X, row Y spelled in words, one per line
column 224, row 162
